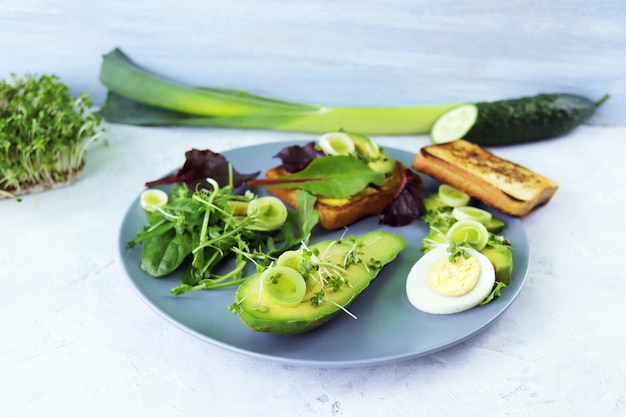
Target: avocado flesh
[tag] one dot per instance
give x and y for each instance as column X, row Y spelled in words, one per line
column 262, row 315
column 501, row 258
column 384, row 164
column 378, row 159
column 365, row 146
column 495, row 225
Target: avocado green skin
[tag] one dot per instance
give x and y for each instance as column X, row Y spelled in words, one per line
column 529, row 119
column 296, row 320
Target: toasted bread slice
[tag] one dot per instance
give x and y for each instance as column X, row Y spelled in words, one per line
column 501, row 184
column 337, row 213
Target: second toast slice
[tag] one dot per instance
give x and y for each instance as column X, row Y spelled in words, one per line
column 501, row 184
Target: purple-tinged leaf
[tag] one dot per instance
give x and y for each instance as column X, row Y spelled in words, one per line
column 295, row 158
column 200, row 165
column 407, row 204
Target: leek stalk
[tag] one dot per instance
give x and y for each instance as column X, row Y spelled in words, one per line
column 139, row 97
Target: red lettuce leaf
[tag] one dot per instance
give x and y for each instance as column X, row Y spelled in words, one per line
column 200, row 165
column 295, row 158
column 407, row 204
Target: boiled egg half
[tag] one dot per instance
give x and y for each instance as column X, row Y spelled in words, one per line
column 438, row 286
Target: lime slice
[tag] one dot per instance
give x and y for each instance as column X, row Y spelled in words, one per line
column 152, row 199
column 454, row 124
column 469, row 231
column 336, row 143
column 452, row 197
column 472, row 213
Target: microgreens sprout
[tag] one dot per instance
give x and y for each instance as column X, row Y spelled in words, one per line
column 319, row 298
column 432, row 242
column 168, row 215
column 44, row 134
column 353, row 255
column 457, row 249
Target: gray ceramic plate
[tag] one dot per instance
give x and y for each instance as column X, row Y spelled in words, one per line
column 388, row 328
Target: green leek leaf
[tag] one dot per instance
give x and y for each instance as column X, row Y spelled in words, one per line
column 140, row 97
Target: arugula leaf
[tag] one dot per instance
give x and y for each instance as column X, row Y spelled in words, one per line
column 164, row 253
column 331, row 176
column 306, row 217
column 494, row 293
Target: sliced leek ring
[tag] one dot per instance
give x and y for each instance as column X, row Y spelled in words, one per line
column 336, row 143
column 291, row 259
column 269, row 213
column 472, row 213
column 283, row 285
column 469, row 231
column 152, row 199
column 452, row 197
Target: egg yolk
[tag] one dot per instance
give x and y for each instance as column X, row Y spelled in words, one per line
column 453, row 279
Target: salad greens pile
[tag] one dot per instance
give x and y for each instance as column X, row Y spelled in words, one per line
column 211, row 215
column 199, row 229
column 44, row 133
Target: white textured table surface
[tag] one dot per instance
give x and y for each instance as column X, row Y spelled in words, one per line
column 77, row 340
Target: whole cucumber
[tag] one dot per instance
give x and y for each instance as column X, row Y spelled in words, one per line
column 528, row 119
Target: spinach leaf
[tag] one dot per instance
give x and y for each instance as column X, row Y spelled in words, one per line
column 333, row 176
column 164, row 253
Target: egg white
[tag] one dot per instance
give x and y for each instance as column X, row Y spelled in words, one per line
column 422, row 297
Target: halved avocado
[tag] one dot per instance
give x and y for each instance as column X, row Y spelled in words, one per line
column 261, row 314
